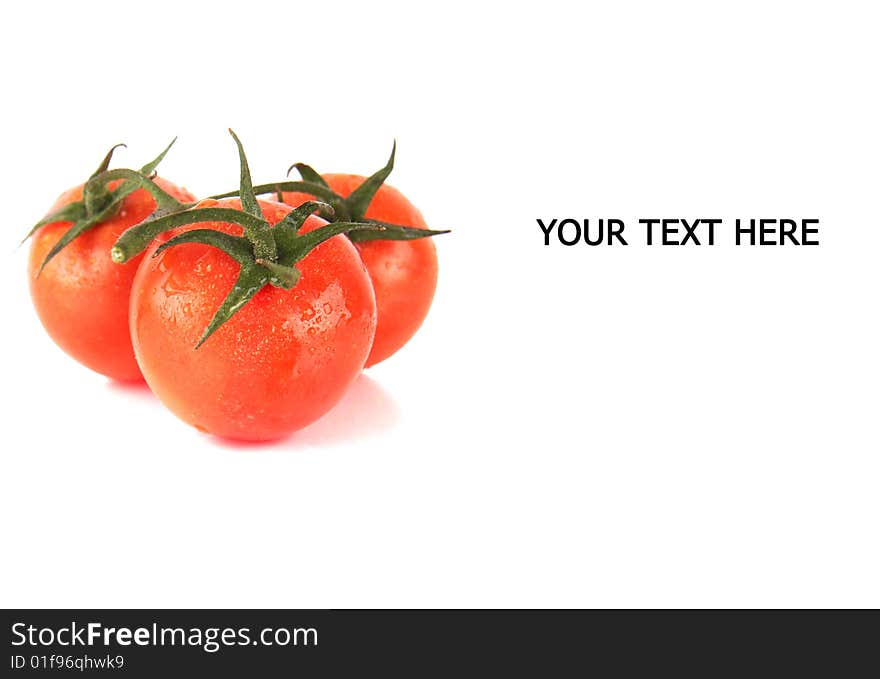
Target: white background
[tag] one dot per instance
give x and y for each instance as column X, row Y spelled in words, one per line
column 572, row 426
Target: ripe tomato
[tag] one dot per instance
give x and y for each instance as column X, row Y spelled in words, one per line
column 404, row 273
column 81, row 296
column 280, row 362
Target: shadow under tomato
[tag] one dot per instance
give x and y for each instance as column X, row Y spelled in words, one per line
column 136, row 389
column 366, row 410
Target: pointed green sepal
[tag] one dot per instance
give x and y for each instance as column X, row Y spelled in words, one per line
column 235, row 246
column 362, row 196
column 308, row 174
column 304, row 243
column 264, row 244
column 96, row 196
column 297, row 217
column 72, row 212
column 106, row 162
column 246, row 188
column 150, row 167
column 78, row 228
column 393, row 232
column 251, row 279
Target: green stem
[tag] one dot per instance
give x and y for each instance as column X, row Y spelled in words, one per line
column 138, row 238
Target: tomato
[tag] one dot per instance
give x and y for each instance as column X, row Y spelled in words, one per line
column 404, row 273
column 81, row 296
column 280, row 362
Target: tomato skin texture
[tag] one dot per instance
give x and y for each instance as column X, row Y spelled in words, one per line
column 283, row 360
column 82, row 296
column 404, row 273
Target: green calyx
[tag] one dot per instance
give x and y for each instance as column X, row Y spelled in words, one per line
column 350, row 209
column 98, row 202
column 267, row 255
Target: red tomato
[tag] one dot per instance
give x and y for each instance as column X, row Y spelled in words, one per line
column 404, row 273
column 283, row 360
column 81, row 296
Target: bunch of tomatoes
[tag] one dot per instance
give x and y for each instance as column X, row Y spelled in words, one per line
column 247, row 316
